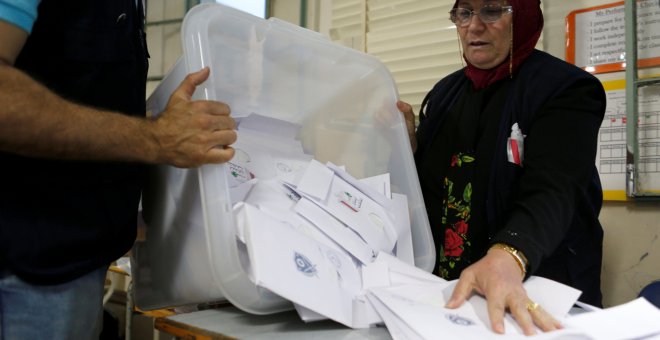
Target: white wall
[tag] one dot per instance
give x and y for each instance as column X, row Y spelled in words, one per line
column 163, row 40
column 288, row 10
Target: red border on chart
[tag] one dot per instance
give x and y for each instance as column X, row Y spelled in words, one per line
column 602, row 68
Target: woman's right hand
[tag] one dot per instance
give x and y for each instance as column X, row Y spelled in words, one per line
column 498, row 278
column 409, row 116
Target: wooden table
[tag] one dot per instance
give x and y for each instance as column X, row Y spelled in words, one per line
column 232, row 323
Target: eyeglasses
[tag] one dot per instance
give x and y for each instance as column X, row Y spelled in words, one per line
column 488, row 14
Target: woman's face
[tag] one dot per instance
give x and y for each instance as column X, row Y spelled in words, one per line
column 485, row 45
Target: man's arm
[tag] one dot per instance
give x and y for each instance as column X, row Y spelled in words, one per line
column 36, row 122
column 12, row 40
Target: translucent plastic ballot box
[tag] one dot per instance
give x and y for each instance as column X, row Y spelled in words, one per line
column 345, row 103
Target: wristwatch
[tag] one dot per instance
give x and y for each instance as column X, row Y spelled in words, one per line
column 517, row 255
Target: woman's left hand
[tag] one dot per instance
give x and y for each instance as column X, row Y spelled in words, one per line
column 409, row 117
column 498, row 277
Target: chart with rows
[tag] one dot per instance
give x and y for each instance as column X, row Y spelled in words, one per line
column 611, row 157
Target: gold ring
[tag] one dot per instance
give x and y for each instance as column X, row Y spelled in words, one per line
column 532, row 306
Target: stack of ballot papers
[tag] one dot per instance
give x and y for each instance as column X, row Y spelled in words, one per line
column 416, row 311
column 340, row 248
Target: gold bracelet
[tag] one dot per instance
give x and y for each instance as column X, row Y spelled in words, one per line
column 520, row 258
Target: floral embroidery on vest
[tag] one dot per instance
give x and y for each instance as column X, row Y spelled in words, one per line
column 456, row 217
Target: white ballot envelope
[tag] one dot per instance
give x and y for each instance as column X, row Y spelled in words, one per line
column 335, row 230
column 421, row 307
column 300, row 269
column 637, row 319
column 351, row 206
column 269, row 126
column 380, row 183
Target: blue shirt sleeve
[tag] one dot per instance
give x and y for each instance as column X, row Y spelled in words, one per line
column 21, row 13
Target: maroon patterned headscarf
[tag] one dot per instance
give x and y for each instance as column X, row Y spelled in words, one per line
column 527, row 27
